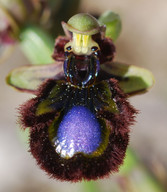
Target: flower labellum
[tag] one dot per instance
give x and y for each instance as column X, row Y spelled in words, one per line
column 79, row 131
column 79, row 122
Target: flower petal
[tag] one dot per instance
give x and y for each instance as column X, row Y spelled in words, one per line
column 28, row 78
column 132, row 79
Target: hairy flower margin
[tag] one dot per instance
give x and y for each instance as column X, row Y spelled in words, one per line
column 45, row 113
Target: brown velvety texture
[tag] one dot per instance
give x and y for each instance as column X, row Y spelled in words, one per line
column 79, row 166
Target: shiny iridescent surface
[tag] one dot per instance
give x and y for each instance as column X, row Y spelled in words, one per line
column 79, row 131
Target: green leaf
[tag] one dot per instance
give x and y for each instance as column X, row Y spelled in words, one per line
column 37, row 45
column 113, row 24
column 28, row 78
column 132, row 79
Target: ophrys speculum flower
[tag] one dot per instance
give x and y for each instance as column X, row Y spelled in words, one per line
column 79, row 121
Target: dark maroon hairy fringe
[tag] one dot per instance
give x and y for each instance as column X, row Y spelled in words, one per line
column 79, row 166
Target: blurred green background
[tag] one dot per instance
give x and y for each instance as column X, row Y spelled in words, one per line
column 143, row 42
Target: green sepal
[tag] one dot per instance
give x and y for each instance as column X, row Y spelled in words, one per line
column 113, row 24
column 132, row 79
column 28, row 78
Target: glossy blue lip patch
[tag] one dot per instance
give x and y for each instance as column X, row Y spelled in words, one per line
column 79, row 131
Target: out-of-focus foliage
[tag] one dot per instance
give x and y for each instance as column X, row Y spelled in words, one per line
column 113, row 24
column 16, row 15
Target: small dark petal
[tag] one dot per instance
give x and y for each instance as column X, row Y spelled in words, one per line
column 79, row 166
column 58, row 53
column 107, row 49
